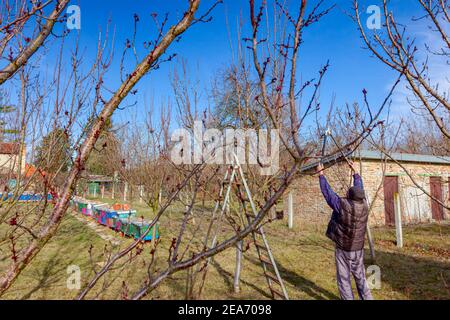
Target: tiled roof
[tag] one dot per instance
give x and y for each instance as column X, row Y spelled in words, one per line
column 377, row 155
column 9, row 148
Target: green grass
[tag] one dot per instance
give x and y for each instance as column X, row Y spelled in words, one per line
column 305, row 257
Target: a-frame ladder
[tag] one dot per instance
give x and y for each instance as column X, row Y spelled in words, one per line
column 271, row 272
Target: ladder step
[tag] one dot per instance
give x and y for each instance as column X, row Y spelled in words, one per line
column 278, row 293
column 273, row 278
column 265, row 261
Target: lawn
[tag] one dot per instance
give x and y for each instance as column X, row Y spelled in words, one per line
column 305, row 257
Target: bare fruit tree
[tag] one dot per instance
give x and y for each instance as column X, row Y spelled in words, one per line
column 106, row 107
column 403, row 50
column 16, row 18
column 265, row 93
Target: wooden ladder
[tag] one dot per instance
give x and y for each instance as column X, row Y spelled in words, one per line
column 265, row 256
column 271, row 272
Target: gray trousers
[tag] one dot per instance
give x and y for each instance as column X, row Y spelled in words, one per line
column 350, row 263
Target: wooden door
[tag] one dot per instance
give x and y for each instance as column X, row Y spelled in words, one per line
column 390, row 186
column 437, row 210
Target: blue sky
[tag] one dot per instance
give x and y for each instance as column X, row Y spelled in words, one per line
column 206, row 47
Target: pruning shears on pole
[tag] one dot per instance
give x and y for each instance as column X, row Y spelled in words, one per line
column 325, row 136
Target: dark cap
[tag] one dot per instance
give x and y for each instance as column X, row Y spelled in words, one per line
column 356, row 194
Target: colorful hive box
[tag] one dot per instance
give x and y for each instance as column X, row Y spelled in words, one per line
column 24, row 197
column 141, row 228
column 110, row 215
column 97, row 212
column 101, row 216
column 133, row 230
column 122, row 220
column 124, row 226
column 126, row 214
column 114, row 221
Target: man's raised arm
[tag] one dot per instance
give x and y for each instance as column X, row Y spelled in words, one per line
column 330, row 196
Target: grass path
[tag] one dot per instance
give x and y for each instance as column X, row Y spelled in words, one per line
column 421, row 270
column 102, row 231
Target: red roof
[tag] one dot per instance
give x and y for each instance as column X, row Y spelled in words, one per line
column 9, row 148
column 30, row 170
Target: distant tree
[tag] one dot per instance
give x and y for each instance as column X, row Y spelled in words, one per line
column 235, row 105
column 418, row 136
column 53, row 153
column 5, row 109
column 103, row 158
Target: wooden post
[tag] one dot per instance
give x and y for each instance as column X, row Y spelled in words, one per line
column 186, row 209
column 370, row 239
column 398, row 221
column 237, row 271
column 125, row 191
column 290, row 210
column 189, row 287
column 141, row 193
column 116, row 175
column 103, row 191
column 95, row 191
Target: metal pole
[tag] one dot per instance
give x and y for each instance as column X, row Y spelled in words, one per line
column 398, row 221
column 116, row 174
column 112, row 192
column 290, row 210
column 369, row 233
column 369, row 237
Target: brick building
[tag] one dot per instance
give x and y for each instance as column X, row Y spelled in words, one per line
column 10, row 158
column 382, row 177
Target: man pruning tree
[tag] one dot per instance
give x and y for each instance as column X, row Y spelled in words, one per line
column 347, row 229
